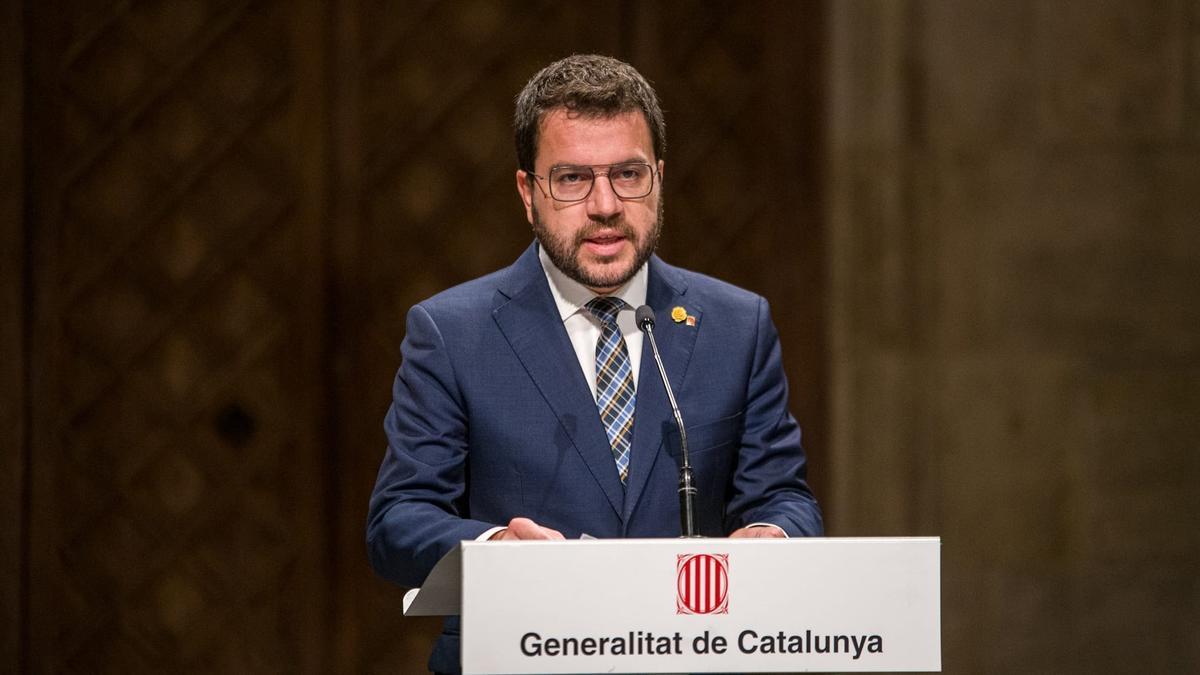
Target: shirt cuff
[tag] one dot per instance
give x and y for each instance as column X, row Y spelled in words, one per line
column 784, row 532
column 488, row 534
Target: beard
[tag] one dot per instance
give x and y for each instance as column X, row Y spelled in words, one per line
column 564, row 252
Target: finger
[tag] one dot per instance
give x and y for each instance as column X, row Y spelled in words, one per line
column 758, row 532
column 526, row 529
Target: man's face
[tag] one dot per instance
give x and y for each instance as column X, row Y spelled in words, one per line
column 603, row 240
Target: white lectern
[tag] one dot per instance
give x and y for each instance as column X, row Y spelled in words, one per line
column 692, row 605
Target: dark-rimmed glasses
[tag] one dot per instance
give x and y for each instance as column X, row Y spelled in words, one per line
column 629, row 180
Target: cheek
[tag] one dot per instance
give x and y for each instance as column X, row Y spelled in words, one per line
column 643, row 217
column 557, row 224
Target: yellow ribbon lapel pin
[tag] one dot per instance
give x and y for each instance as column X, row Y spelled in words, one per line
column 680, row 315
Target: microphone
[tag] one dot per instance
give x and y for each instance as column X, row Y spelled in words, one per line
column 687, row 491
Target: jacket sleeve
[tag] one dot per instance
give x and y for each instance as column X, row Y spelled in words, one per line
column 417, row 507
column 769, row 483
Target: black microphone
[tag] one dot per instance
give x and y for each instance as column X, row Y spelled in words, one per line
column 687, row 491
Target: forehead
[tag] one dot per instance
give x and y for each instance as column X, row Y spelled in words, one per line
column 570, row 138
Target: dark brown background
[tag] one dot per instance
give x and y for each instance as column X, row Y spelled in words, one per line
column 976, row 223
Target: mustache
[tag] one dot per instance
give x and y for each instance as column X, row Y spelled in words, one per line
column 594, row 228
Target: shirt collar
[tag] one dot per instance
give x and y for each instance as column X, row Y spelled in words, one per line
column 570, row 296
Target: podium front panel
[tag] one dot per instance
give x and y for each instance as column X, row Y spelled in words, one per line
column 702, row 605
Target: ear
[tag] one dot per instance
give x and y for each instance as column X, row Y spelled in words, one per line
column 661, row 165
column 525, row 189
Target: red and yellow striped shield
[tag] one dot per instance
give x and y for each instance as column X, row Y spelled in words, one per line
column 702, row 583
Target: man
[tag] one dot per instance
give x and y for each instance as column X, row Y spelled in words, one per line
column 528, row 406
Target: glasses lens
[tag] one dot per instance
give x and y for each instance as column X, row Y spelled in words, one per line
column 574, row 183
column 631, row 180
column 571, row 183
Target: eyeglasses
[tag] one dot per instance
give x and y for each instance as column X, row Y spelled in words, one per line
column 629, row 180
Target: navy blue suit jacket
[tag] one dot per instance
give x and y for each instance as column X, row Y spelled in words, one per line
column 492, row 419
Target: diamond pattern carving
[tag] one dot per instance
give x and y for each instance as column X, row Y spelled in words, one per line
column 108, row 72
column 171, row 546
column 721, row 177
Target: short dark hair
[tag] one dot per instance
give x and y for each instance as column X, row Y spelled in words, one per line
column 586, row 84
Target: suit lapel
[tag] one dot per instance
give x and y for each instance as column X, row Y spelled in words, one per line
column 529, row 320
column 652, row 417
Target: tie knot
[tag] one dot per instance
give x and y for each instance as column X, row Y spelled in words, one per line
column 606, row 309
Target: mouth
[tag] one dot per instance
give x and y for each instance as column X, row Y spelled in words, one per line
column 604, row 245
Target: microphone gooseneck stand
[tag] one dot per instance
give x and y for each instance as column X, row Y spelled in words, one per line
column 687, row 489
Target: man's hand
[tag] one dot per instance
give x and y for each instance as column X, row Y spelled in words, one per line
column 758, row 532
column 524, row 528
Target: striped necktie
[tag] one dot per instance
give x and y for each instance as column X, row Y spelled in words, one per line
column 614, row 381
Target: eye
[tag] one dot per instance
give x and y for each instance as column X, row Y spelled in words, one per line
column 571, row 177
column 630, row 172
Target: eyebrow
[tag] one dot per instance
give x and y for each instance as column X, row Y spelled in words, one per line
column 633, row 160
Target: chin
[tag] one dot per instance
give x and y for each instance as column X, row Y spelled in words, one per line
column 607, row 281
column 613, row 268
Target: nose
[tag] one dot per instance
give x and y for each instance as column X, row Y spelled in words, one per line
column 603, row 203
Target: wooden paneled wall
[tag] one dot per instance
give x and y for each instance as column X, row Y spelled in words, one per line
column 220, row 212
column 177, row 480
column 1015, row 259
